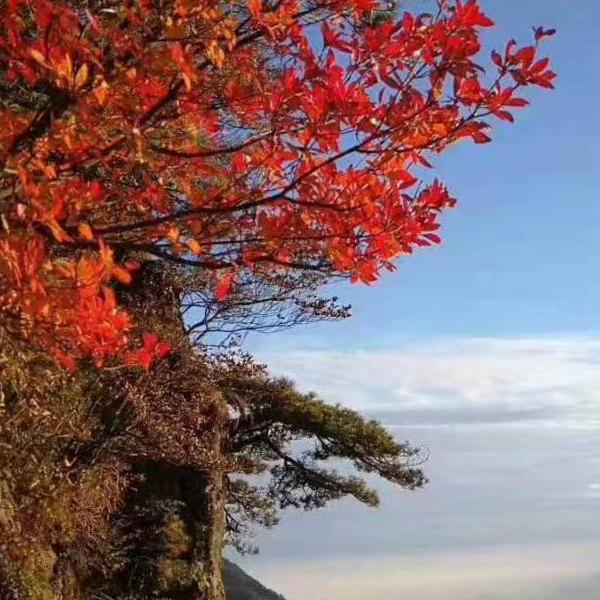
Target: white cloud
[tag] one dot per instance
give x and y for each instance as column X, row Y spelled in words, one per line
column 516, row 379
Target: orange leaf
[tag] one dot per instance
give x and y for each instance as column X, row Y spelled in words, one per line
column 82, row 76
column 85, row 232
column 38, row 56
column 255, row 8
column 106, row 255
column 121, row 275
column 110, row 299
column 194, row 246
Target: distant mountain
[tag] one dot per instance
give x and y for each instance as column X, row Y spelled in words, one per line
column 240, row 586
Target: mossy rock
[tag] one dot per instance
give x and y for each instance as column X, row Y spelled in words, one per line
column 177, row 541
column 174, row 576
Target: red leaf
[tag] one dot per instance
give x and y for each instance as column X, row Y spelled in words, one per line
column 150, row 340
column 517, row 102
column 177, row 52
column 504, row 115
column 150, row 350
column 408, row 22
column 526, row 55
column 436, row 239
column 162, row 349
column 223, row 286
column 95, row 190
column 255, row 8
column 65, row 359
column 480, row 138
column 540, row 65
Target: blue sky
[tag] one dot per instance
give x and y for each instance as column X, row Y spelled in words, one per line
column 487, row 351
column 520, row 252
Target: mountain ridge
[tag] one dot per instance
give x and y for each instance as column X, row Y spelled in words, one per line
column 241, row 586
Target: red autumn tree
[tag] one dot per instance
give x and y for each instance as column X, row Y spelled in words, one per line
column 258, row 141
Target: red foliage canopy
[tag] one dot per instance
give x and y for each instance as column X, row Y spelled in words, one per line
column 255, row 137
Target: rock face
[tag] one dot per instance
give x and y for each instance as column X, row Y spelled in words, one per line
column 158, row 525
column 187, row 563
column 172, row 531
column 179, row 520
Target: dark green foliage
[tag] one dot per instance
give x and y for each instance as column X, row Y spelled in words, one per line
column 305, row 452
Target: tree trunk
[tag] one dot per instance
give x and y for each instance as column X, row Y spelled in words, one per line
column 210, row 516
column 179, row 520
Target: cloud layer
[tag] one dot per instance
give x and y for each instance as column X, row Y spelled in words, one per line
column 536, row 573
column 476, row 379
column 511, row 511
